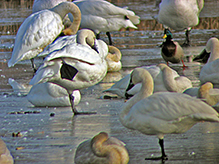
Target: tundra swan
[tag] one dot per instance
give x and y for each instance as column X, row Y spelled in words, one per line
column 5, row 155
column 103, row 16
column 180, row 15
column 163, row 112
column 113, row 59
column 40, row 29
column 102, row 149
column 171, row 50
column 210, row 71
column 165, row 79
column 75, row 66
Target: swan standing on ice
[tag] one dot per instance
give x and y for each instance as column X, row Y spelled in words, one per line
column 103, row 16
column 40, row 29
column 210, row 71
column 5, row 155
column 102, row 149
column 165, row 79
column 163, row 112
column 75, row 66
column 171, row 51
column 180, row 14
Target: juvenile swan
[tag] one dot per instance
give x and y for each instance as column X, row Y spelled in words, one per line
column 102, row 149
column 113, row 59
column 163, row 112
column 40, row 29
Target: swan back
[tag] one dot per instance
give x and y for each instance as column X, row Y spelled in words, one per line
column 102, row 149
column 45, row 4
column 5, row 156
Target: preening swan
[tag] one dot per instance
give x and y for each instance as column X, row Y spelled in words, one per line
column 163, row 112
column 113, row 59
column 102, row 149
column 5, row 155
column 45, row 4
column 165, row 79
column 40, row 29
column 210, row 71
column 75, row 66
column 103, row 16
column 180, row 15
column 171, row 51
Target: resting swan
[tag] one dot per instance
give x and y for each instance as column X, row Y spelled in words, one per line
column 180, row 15
column 75, row 66
column 165, row 79
column 103, row 16
column 210, row 71
column 171, row 50
column 113, row 59
column 163, row 112
column 102, row 149
column 40, row 29
column 5, row 155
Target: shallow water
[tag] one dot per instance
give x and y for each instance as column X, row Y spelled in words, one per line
column 54, row 139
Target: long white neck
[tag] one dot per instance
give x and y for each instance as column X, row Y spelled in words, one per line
column 146, row 90
column 68, row 7
column 213, row 47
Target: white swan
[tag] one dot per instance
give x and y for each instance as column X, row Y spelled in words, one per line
column 113, row 59
column 103, row 16
column 44, row 94
column 165, row 79
column 50, row 94
column 102, row 149
column 171, row 50
column 75, row 66
column 180, row 15
column 40, row 29
column 45, row 4
column 163, row 112
column 5, row 155
column 210, row 71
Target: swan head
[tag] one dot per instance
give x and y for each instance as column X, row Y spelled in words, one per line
column 162, row 66
column 114, row 54
column 87, row 37
column 204, row 89
column 140, row 75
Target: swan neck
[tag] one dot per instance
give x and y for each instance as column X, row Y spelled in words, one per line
column 68, row 7
column 168, row 79
column 213, row 47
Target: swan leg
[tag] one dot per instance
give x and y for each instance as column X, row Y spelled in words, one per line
column 33, row 65
column 163, row 156
column 187, row 41
column 74, row 110
column 109, row 37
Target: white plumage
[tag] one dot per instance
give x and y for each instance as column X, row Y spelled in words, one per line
column 210, row 71
column 5, row 155
column 40, row 29
column 91, row 66
column 103, row 16
column 163, row 112
column 180, row 14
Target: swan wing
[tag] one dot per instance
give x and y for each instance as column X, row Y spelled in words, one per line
column 35, row 33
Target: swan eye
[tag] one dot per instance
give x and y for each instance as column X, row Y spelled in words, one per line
column 126, row 17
